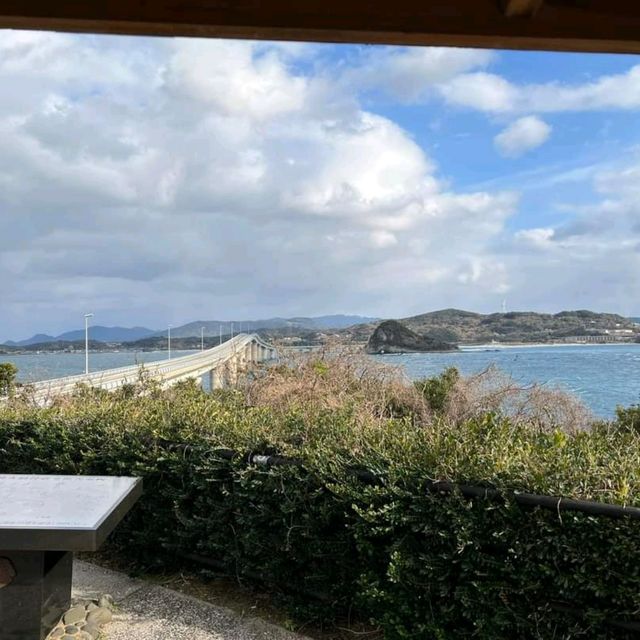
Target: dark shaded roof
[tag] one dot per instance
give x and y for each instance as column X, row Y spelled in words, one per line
column 571, row 25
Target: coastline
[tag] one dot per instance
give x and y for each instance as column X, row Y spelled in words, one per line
column 491, row 346
column 537, row 345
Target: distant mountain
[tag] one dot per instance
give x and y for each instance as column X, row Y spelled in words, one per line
column 109, row 334
column 192, row 329
column 96, row 333
column 454, row 325
column 212, row 327
column 38, row 338
column 340, row 321
column 57, row 345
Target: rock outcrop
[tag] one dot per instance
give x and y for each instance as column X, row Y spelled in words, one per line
column 393, row 337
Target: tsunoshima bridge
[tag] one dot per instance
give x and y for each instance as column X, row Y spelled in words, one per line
column 222, row 363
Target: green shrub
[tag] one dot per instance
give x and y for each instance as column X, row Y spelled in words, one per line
column 331, row 542
column 8, row 372
column 437, row 389
column 628, row 418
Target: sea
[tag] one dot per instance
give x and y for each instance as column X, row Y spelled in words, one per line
column 604, row 376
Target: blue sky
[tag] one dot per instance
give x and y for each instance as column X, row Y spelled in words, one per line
column 461, row 139
column 163, row 180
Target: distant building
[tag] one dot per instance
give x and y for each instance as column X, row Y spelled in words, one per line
column 605, row 338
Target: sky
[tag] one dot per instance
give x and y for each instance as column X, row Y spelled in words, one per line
column 153, row 181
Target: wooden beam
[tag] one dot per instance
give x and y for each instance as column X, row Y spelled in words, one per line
column 571, row 25
column 521, row 8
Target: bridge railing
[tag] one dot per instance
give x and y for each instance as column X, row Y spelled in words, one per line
column 167, row 371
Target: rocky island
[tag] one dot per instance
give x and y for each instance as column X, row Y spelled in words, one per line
column 392, row 336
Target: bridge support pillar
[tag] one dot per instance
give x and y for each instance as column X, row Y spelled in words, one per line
column 217, row 378
column 232, row 371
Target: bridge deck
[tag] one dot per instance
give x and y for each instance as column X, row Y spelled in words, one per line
column 242, row 348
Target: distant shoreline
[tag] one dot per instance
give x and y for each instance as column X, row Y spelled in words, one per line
column 537, row 345
column 11, row 354
column 494, row 346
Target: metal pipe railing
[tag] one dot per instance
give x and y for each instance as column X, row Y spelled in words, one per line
column 553, row 503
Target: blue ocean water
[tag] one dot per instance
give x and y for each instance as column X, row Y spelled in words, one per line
column 604, row 376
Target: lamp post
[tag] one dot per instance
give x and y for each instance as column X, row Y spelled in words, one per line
column 169, row 340
column 86, row 342
column 201, row 338
column 220, row 327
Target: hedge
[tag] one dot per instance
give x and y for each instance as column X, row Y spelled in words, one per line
column 418, row 564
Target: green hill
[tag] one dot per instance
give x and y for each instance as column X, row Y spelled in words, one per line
column 454, row 325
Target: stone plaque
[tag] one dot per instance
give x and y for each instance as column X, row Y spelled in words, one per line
column 72, row 513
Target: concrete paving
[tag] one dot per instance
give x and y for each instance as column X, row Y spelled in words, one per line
column 149, row 612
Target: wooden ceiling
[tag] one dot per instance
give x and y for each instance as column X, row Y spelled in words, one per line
column 569, row 25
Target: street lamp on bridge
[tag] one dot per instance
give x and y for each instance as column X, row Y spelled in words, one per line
column 86, row 342
column 169, row 340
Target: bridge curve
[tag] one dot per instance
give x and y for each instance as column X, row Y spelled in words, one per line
column 221, row 363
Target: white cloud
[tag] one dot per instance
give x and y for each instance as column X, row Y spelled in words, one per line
column 160, row 179
column 382, row 239
column 539, row 237
column 625, row 181
column 235, row 79
column 591, row 260
column 521, row 136
column 411, row 73
column 617, row 91
column 492, row 93
column 481, row 91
